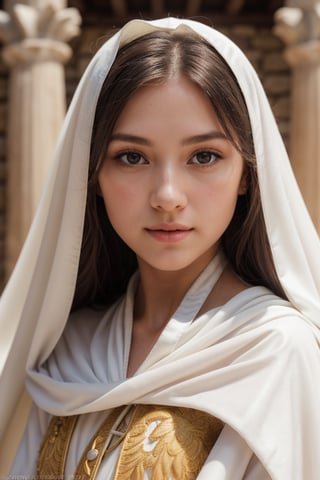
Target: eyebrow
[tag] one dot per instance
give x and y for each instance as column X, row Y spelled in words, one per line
column 127, row 137
column 204, row 137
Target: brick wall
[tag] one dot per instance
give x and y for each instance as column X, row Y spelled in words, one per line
column 263, row 49
column 265, row 52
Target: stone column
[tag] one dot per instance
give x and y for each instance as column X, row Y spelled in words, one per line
column 298, row 25
column 35, row 34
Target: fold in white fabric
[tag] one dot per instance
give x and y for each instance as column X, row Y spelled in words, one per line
column 253, row 363
column 247, row 363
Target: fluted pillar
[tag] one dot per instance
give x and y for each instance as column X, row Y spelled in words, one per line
column 35, row 33
column 298, row 25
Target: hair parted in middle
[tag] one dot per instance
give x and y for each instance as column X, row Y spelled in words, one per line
column 106, row 262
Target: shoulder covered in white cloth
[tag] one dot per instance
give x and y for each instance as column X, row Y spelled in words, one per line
column 255, row 326
column 252, row 363
column 255, row 312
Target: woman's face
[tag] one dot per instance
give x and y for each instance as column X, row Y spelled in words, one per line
column 170, row 179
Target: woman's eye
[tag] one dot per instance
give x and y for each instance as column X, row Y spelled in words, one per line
column 131, row 158
column 205, row 157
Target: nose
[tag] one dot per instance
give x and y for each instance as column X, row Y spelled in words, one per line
column 168, row 193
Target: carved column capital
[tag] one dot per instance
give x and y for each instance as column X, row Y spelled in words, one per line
column 36, row 50
column 299, row 23
column 38, row 31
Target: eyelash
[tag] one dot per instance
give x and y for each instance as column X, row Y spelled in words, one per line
column 120, row 156
column 128, row 152
column 216, row 155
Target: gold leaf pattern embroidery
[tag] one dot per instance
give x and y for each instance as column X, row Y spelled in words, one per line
column 54, row 448
column 181, row 440
column 169, row 442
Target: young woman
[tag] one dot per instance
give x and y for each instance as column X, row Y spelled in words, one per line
column 172, row 229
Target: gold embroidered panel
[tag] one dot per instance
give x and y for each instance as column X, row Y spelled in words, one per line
column 167, row 442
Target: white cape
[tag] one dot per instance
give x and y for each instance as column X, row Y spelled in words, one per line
column 247, row 363
column 35, row 305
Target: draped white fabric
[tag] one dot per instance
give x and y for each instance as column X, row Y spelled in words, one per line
column 247, row 363
column 254, row 363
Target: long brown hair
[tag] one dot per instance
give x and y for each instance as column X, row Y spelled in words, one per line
column 106, row 262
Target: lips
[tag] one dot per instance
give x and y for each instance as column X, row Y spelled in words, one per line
column 169, row 233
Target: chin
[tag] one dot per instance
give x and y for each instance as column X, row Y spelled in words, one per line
column 170, row 265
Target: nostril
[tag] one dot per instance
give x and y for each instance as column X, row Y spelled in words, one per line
column 168, row 198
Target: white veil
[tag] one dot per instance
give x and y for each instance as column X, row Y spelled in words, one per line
column 36, row 302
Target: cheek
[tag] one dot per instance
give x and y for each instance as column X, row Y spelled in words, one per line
column 115, row 192
column 121, row 202
column 219, row 202
column 222, row 188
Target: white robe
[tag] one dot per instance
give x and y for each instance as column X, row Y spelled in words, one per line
column 247, row 363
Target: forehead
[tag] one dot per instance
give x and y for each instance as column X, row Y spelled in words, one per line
column 173, row 105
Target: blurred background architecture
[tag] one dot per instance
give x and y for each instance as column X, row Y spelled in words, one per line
column 46, row 45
